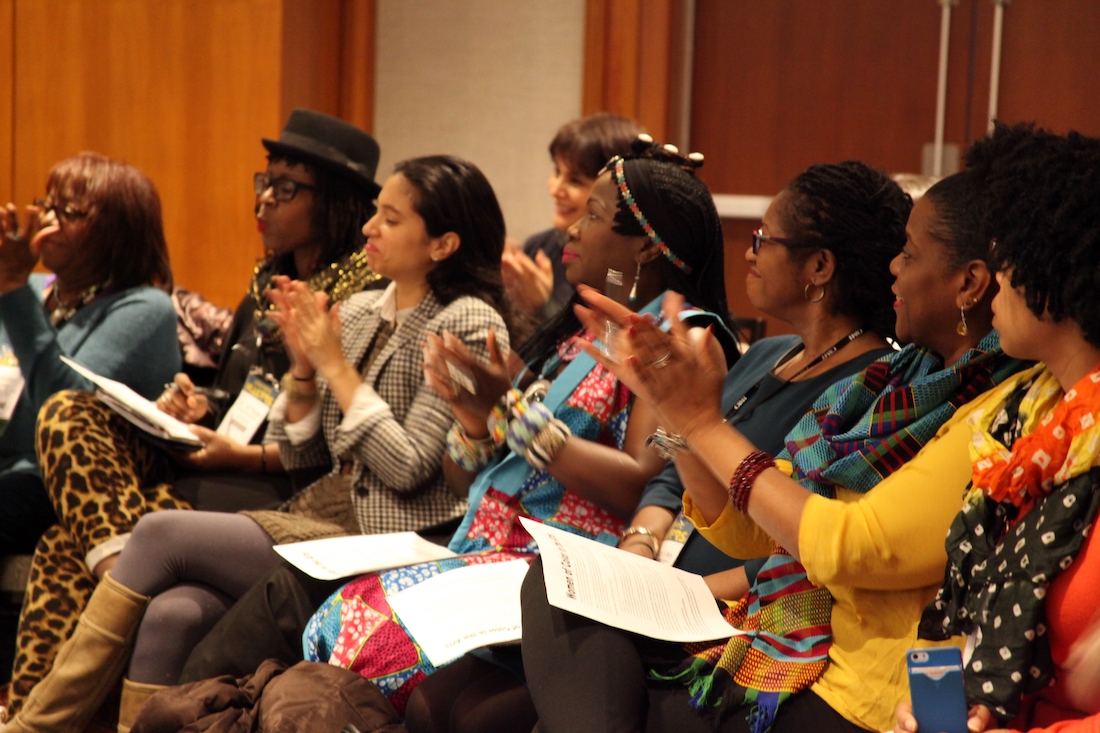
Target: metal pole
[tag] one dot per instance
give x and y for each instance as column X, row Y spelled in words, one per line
column 941, row 86
column 995, row 61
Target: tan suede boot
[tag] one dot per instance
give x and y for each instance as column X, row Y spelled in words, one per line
column 134, row 697
column 87, row 665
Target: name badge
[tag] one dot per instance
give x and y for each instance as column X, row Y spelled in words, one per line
column 675, row 539
column 11, row 386
column 249, row 410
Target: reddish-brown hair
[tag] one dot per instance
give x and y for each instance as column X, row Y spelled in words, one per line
column 125, row 234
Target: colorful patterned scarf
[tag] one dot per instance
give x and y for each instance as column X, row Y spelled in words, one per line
column 858, row 431
column 1031, row 506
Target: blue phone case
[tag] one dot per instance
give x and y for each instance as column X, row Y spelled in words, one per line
column 936, row 689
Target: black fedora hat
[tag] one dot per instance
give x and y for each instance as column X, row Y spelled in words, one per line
column 329, row 143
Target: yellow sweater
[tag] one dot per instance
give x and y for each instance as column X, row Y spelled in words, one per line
column 881, row 555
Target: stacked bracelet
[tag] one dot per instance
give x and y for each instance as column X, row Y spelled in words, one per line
column 501, row 415
column 745, row 476
column 468, row 454
column 667, row 445
column 544, row 448
column 529, row 419
column 654, row 543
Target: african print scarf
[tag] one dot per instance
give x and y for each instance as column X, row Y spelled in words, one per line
column 1031, row 506
column 858, row 431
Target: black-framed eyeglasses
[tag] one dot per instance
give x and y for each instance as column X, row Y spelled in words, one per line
column 282, row 189
column 758, row 237
column 68, row 212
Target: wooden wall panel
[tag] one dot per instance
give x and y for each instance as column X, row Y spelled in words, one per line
column 357, row 62
column 779, row 86
column 629, row 64
column 184, row 91
column 7, row 97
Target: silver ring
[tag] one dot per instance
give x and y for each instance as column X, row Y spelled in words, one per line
column 662, row 362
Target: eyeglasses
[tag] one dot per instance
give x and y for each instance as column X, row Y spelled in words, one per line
column 758, row 238
column 68, row 212
column 282, row 189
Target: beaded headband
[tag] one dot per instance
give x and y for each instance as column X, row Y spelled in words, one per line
column 616, row 166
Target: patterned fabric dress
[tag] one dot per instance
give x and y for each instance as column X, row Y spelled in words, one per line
column 356, row 629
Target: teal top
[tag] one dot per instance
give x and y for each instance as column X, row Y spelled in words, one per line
column 128, row 336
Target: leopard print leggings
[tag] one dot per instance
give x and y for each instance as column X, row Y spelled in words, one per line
column 101, row 479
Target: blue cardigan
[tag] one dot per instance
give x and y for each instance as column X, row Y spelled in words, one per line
column 128, row 336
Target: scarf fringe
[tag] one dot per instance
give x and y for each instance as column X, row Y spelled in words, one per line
column 765, row 706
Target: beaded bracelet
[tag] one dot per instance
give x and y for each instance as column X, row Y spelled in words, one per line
column 501, row 415
column 528, row 420
column 544, row 448
column 745, row 476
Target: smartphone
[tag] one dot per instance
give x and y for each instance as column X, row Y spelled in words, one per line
column 936, row 689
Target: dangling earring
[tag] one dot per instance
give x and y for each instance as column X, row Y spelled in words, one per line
column 634, row 287
column 806, row 292
column 962, row 329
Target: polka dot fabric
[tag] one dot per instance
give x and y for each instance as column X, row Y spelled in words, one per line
column 1031, row 507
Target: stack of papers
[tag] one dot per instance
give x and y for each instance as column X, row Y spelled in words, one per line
column 143, row 413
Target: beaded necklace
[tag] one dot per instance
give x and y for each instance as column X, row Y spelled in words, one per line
column 340, row 280
column 63, row 312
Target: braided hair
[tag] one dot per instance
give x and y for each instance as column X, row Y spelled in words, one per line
column 859, row 215
column 666, row 180
column 1042, row 208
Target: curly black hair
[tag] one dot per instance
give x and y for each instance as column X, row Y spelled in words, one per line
column 1042, row 209
column 858, row 214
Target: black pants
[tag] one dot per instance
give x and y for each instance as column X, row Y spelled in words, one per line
column 586, row 676
column 25, row 512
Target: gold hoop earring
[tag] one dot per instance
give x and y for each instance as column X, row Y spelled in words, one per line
column 806, row 292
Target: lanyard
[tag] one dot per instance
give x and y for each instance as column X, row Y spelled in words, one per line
column 730, row 416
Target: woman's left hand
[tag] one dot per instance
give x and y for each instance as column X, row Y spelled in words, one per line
column 310, row 326
column 489, row 380
column 19, row 246
column 218, row 452
column 677, row 375
column 977, row 721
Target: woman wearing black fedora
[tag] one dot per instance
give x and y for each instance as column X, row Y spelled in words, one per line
column 311, row 204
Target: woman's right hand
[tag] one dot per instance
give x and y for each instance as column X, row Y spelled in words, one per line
column 977, row 721
column 19, row 247
column 491, row 380
column 182, row 402
column 679, row 376
column 280, row 294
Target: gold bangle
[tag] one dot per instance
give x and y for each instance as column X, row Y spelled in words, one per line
column 654, row 542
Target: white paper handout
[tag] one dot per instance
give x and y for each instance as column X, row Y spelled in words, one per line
column 139, row 411
column 342, row 557
column 463, row 609
column 625, row 590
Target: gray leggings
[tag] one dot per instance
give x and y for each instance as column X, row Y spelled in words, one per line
column 195, row 565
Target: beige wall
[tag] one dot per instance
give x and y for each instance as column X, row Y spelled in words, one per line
column 487, row 80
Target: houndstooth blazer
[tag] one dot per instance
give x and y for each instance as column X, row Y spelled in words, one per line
column 396, row 457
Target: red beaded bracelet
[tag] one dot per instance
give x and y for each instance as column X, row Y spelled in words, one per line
column 745, row 476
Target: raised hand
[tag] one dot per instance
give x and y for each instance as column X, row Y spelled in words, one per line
column 19, row 246
column 679, row 376
column 529, row 282
column 490, row 380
